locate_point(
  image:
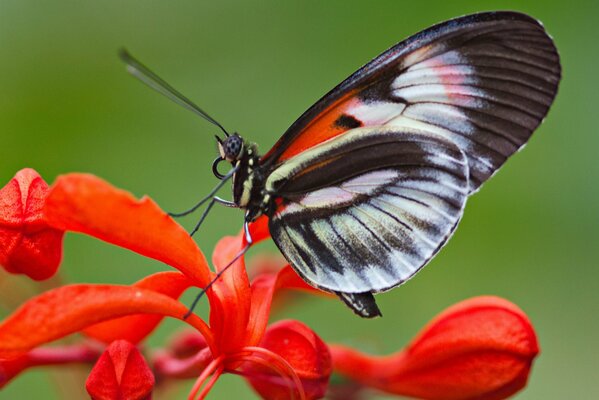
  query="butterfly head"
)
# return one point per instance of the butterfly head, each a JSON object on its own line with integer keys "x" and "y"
{"x": 231, "y": 148}
{"x": 234, "y": 150}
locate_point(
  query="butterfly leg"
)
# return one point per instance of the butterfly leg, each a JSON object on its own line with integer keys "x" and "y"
{"x": 208, "y": 197}
{"x": 214, "y": 199}
{"x": 249, "y": 240}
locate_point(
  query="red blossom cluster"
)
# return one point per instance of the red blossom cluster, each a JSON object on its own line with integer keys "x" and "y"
{"x": 481, "y": 348}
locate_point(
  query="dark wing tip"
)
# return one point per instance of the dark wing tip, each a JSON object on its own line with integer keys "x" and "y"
{"x": 363, "y": 304}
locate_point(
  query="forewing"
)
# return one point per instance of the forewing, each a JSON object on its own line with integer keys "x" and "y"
{"x": 365, "y": 211}
{"x": 483, "y": 81}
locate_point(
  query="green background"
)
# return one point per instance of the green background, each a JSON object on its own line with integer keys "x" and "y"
{"x": 66, "y": 104}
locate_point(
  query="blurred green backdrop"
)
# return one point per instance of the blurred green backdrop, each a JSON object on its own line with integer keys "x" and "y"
{"x": 66, "y": 104}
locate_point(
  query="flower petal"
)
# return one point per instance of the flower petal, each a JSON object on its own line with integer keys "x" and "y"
{"x": 28, "y": 245}
{"x": 307, "y": 354}
{"x": 120, "y": 373}
{"x": 11, "y": 368}
{"x": 85, "y": 203}
{"x": 135, "y": 328}
{"x": 259, "y": 230}
{"x": 264, "y": 288}
{"x": 230, "y": 296}
{"x": 69, "y": 309}
{"x": 481, "y": 348}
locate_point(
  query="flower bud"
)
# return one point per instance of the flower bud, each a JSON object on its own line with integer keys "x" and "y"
{"x": 120, "y": 373}
{"x": 481, "y": 348}
{"x": 28, "y": 245}
{"x": 305, "y": 352}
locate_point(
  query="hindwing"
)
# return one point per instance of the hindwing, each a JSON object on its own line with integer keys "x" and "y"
{"x": 365, "y": 211}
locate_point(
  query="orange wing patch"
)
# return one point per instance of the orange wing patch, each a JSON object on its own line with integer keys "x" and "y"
{"x": 332, "y": 122}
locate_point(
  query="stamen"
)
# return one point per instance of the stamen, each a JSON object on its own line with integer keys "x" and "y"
{"x": 211, "y": 382}
{"x": 214, "y": 365}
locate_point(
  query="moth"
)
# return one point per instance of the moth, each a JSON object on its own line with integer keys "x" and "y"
{"x": 370, "y": 182}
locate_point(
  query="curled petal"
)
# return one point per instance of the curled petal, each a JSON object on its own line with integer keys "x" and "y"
{"x": 135, "y": 328}
{"x": 28, "y": 245}
{"x": 69, "y": 309}
{"x": 481, "y": 348}
{"x": 87, "y": 204}
{"x": 303, "y": 350}
{"x": 120, "y": 373}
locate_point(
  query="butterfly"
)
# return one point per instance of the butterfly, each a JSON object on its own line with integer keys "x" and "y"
{"x": 370, "y": 182}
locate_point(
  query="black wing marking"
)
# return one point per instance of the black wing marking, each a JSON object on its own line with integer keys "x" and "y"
{"x": 393, "y": 200}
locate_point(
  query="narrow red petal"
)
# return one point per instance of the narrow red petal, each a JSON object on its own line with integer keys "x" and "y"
{"x": 264, "y": 288}
{"x": 28, "y": 245}
{"x": 69, "y": 309}
{"x": 84, "y": 203}
{"x": 482, "y": 348}
{"x": 135, "y": 328}
{"x": 305, "y": 352}
{"x": 230, "y": 296}
{"x": 120, "y": 373}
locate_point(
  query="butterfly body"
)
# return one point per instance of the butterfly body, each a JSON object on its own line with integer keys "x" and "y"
{"x": 371, "y": 181}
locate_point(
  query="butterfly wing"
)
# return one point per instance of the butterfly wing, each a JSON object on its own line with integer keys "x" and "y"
{"x": 484, "y": 81}
{"x": 365, "y": 211}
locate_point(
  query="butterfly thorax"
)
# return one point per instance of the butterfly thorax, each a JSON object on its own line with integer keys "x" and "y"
{"x": 248, "y": 182}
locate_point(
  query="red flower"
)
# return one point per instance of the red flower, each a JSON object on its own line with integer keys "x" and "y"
{"x": 239, "y": 309}
{"x": 28, "y": 245}
{"x": 479, "y": 349}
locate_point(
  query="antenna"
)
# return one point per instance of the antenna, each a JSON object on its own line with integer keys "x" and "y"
{"x": 144, "y": 74}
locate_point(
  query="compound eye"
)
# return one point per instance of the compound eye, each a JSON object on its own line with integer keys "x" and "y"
{"x": 232, "y": 147}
